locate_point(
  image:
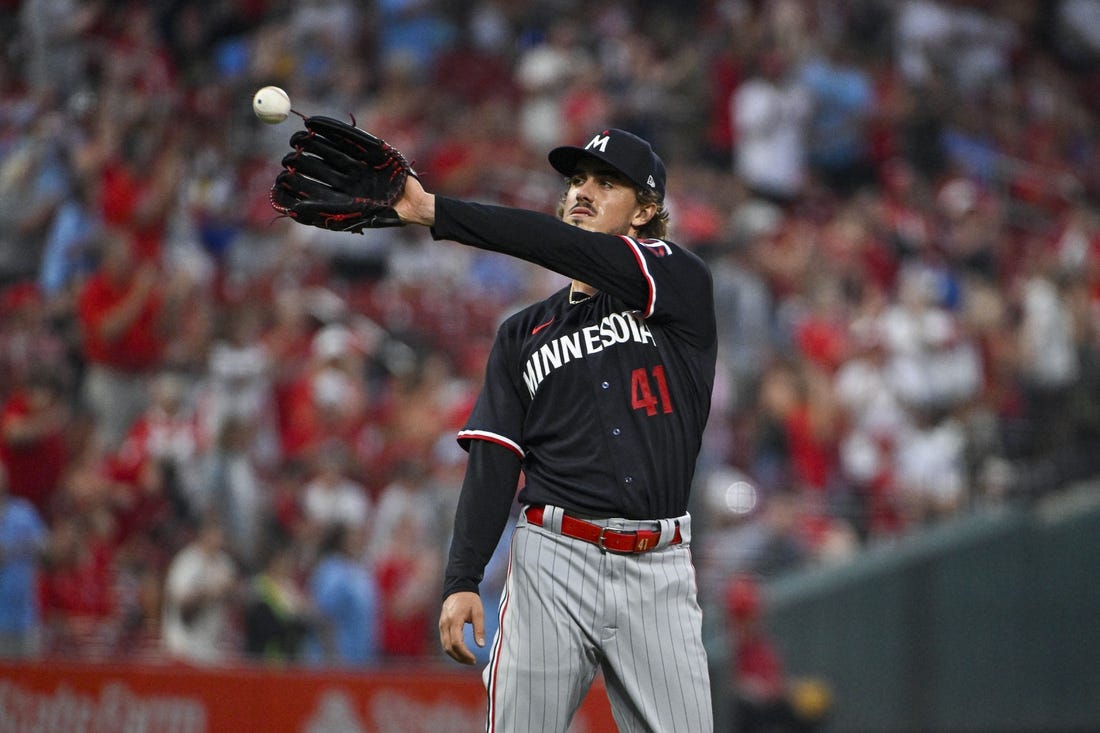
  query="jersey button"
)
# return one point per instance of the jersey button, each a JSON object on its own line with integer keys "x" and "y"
{"x": 628, "y": 479}
{"x": 605, "y": 385}
{"x": 615, "y": 431}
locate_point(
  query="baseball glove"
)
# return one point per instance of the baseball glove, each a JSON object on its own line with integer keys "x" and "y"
{"x": 341, "y": 178}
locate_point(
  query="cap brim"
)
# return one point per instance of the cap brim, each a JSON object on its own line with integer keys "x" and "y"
{"x": 564, "y": 159}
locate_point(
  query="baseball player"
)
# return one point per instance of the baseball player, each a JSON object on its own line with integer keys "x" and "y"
{"x": 598, "y": 395}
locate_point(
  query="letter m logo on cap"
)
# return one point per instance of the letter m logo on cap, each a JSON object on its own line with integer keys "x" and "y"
{"x": 599, "y": 141}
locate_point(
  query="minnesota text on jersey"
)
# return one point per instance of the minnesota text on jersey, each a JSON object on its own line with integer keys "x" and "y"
{"x": 614, "y": 328}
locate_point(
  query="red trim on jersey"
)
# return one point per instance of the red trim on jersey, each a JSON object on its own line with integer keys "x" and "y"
{"x": 492, "y": 438}
{"x": 651, "y": 301}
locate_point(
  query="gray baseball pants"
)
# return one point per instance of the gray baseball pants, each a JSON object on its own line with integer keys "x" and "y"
{"x": 570, "y": 609}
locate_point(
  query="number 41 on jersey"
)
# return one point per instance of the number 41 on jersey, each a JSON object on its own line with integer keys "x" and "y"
{"x": 642, "y": 395}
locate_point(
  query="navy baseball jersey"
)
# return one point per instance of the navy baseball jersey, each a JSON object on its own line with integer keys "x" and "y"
{"x": 605, "y": 400}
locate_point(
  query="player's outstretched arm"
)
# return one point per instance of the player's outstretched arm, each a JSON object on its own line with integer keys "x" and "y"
{"x": 459, "y": 609}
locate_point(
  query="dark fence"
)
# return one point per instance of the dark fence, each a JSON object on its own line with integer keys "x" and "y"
{"x": 989, "y": 624}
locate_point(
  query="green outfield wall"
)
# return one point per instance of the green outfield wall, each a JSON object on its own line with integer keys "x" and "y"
{"x": 987, "y": 624}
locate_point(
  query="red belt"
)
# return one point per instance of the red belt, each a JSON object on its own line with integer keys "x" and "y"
{"x": 615, "y": 540}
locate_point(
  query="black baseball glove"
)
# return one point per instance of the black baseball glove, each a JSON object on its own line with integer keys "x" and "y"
{"x": 341, "y": 178}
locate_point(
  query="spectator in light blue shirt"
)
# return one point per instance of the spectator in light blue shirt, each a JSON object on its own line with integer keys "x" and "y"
{"x": 70, "y": 239}
{"x": 346, "y": 598}
{"x": 22, "y": 538}
{"x": 843, "y": 100}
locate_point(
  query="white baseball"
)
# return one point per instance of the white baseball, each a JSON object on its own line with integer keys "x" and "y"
{"x": 271, "y": 105}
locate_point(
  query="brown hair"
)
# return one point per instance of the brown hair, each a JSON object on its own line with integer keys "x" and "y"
{"x": 657, "y": 226}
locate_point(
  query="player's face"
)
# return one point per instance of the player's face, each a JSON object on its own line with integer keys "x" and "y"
{"x": 601, "y": 199}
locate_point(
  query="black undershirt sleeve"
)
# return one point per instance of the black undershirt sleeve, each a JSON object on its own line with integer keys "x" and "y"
{"x": 492, "y": 474}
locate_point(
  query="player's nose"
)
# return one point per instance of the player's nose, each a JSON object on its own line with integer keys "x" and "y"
{"x": 583, "y": 194}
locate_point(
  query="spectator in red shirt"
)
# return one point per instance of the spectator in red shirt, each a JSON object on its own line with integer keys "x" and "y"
{"x": 33, "y": 439}
{"x": 405, "y": 550}
{"x": 126, "y": 310}
{"x": 158, "y": 464}
{"x": 77, "y": 588}
{"x": 144, "y": 160}
{"x": 763, "y": 696}
{"x": 799, "y": 420}
{"x": 328, "y": 401}
{"x": 406, "y": 577}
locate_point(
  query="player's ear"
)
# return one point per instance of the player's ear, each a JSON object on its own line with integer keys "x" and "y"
{"x": 643, "y": 213}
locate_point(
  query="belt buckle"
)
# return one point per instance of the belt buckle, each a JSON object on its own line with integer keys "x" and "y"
{"x": 601, "y": 541}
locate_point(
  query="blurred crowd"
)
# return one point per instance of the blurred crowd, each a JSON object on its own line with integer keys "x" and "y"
{"x": 224, "y": 437}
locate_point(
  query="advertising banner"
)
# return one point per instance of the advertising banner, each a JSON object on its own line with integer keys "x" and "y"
{"x": 52, "y": 697}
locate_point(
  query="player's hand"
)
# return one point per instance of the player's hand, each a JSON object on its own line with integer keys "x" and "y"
{"x": 460, "y": 609}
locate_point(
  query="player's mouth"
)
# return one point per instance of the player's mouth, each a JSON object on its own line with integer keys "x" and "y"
{"x": 580, "y": 210}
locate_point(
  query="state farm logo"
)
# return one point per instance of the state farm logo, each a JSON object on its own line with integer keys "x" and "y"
{"x": 335, "y": 714}
{"x": 394, "y": 712}
{"x": 116, "y": 709}
{"x": 390, "y": 711}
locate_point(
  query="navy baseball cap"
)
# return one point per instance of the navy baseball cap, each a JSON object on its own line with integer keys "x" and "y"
{"x": 627, "y": 153}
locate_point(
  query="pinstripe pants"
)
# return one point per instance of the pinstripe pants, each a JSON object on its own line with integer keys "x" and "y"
{"x": 570, "y": 609}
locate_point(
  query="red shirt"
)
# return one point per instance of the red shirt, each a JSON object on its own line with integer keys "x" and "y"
{"x": 34, "y": 467}
{"x": 812, "y": 457}
{"x": 138, "y": 348}
{"x": 407, "y": 635}
{"x": 305, "y": 425}
{"x": 757, "y": 666}
{"x": 81, "y": 587}
{"x": 154, "y": 435}
{"x": 122, "y": 196}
